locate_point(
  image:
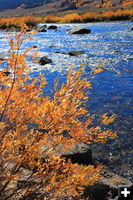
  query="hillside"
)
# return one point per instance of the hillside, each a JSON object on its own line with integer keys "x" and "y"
{"x": 8, "y": 4}
{"x": 42, "y": 7}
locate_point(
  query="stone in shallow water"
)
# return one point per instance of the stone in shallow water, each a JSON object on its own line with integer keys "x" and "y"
{"x": 80, "y": 154}
{"x": 79, "y": 30}
{"x": 6, "y": 73}
{"x": 43, "y": 28}
{"x": 75, "y": 53}
{"x": 44, "y": 60}
{"x": 52, "y": 27}
{"x": 107, "y": 186}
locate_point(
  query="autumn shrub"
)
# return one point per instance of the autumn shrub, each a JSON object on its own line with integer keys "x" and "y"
{"x": 32, "y": 127}
{"x": 18, "y": 22}
{"x": 71, "y": 18}
{"x": 108, "y": 15}
{"x": 127, "y": 2}
{"x": 118, "y": 15}
{"x": 51, "y": 18}
{"x": 90, "y": 17}
{"x": 31, "y": 21}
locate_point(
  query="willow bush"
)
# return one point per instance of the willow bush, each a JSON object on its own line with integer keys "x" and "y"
{"x": 31, "y": 132}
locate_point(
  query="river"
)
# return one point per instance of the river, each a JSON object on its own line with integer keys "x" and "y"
{"x": 109, "y": 44}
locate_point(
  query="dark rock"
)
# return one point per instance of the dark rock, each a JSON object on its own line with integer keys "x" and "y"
{"x": 52, "y": 46}
{"x": 2, "y": 59}
{"x": 100, "y": 191}
{"x": 82, "y": 156}
{"x": 75, "y": 53}
{"x": 106, "y": 187}
{"x": 34, "y": 46}
{"x": 64, "y": 53}
{"x": 132, "y": 29}
{"x": 42, "y": 30}
{"x": 79, "y": 30}
{"x": 6, "y": 73}
{"x": 52, "y": 27}
{"x": 44, "y": 60}
{"x": 56, "y": 52}
{"x": 44, "y": 26}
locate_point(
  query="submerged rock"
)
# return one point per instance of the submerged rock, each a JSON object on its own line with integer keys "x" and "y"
{"x": 80, "y": 154}
{"x": 75, "y": 53}
{"x": 79, "y": 30}
{"x": 56, "y": 52}
{"x": 42, "y": 30}
{"x": 106, "y": 187}
{"x": 52, "y": 46}
{"x": 34, "y": 46}
{"x": 44, "y": 60}
{"x": 6, "y": 73}
{"x": 52, "y": 27}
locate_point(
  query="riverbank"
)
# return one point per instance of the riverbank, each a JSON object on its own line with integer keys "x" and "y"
{"x": 109, "y": 15}
{"x": 31, "y": 22}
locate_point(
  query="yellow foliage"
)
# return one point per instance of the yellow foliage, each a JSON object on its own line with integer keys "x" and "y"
{"x": 31, "y": 132}
{"x": 69, "y": 18}
{"x": 18, "y": 22}
{"x": 51, "y": 18}
{"x": 127, "y": 2}
{"x": 91, "y": 16}
{"x": 107, "y": 120}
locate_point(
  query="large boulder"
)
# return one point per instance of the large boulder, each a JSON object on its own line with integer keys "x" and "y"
{"x": 52, "y": 27}
{"x": 44, "y": 60}
{"x": 79, "y": 30}
{"x": 75, "y": 53}
{"x": 106, "y": 187}
{"x": 80, "y": 154}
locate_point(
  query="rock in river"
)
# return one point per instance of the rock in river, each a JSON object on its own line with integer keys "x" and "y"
{"x": 75, "y": 53}
{"x": 52, "y": 27}
{"x": 82, "y": 154}
{"x": 79, "y": 30}
{"x": 44, "y": 60}
{"x": 43, "y": 28}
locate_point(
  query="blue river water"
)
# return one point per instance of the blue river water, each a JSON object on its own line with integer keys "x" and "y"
{"x": 109, "y": 44}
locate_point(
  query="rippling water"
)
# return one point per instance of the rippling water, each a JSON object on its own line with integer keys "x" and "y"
{"x": 112, "y": 45}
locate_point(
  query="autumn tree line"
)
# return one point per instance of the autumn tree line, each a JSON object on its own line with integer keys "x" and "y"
{"x": 105, "y": 11}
